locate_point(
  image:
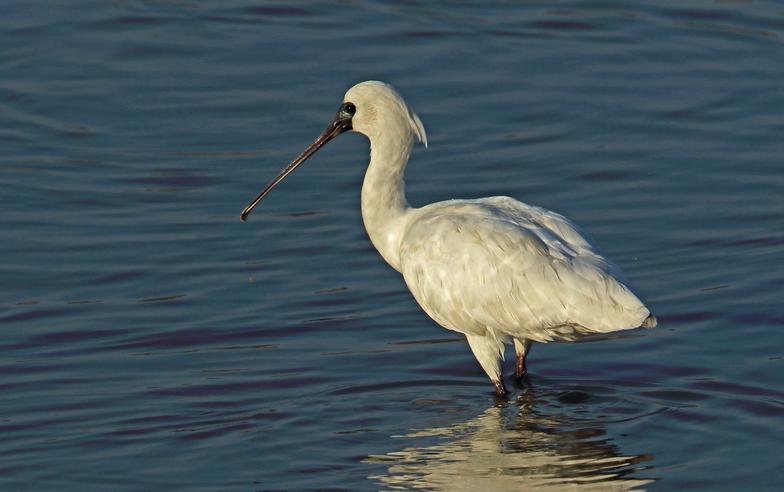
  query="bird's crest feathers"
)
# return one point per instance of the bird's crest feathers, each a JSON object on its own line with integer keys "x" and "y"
{"x": 418, "y": 128}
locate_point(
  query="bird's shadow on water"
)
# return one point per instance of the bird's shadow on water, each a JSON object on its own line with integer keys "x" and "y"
{"x": 544, "y": 437}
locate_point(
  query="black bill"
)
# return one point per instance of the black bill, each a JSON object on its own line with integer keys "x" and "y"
{"x": 340, "y": 124}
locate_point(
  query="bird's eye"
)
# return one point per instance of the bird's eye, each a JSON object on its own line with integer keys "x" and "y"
{"x": 348, "y": 108}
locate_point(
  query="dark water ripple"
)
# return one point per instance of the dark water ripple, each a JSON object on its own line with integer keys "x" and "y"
{"x": 153, "y": 341}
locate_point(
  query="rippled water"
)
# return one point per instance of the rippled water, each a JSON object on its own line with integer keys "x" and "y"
{"x": 150, "y": 340}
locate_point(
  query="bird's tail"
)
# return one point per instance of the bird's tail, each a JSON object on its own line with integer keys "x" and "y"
{"x": 650, "y": 322}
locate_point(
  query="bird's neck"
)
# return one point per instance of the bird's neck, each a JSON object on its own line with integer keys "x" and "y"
{"x": 384, "y": 205}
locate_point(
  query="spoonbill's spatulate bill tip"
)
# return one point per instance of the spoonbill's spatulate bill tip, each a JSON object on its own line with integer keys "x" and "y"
{"x": 494, "y": 269}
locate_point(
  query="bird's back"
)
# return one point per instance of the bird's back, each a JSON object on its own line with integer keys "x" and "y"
{"x": 500, "y": 267}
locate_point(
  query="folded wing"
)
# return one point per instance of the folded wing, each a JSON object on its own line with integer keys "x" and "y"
{"x": 500, "y": 266}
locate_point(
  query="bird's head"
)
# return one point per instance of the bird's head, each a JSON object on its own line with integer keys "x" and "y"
{"x": 372, "y": 108}
{"x": 379, "y": 109}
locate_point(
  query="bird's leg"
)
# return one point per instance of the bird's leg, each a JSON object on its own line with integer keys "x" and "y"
{"x": 521, "y": 350}
{"x": 500, "y": 388}
{"x": 520, "y": 369}
{"x": 487, "y": 351}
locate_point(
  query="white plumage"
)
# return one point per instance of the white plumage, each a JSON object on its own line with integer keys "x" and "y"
{"x": 494, "y": 269}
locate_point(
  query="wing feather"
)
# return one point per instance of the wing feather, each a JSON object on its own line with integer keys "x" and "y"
{"x": 499, "y": 265}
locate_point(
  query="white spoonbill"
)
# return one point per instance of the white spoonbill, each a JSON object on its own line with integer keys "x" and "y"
{"x": 494, "y": 269}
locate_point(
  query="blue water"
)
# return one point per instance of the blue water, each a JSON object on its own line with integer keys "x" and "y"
{"x": 152, "y": 341}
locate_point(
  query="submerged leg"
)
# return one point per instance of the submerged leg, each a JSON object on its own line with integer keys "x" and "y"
{"x": 521, "y": 350}
{"x": 500, "y": 388}
{"x": 488, "y": 352}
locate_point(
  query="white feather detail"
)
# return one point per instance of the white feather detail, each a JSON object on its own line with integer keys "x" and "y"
{"x": 418, "y": 128}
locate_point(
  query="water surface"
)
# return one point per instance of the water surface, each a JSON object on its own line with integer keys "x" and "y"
{"x": 152, "y": 341}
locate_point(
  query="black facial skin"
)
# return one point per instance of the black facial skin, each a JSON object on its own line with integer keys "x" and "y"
{"x": 348, "y": 109}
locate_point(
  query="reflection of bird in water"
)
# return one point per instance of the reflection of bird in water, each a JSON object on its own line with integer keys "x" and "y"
{"x": 499, "y": 452}
{"x": 494, "y": 269}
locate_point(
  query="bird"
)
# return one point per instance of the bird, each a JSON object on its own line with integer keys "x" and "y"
{"x": 494, "y": 269}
